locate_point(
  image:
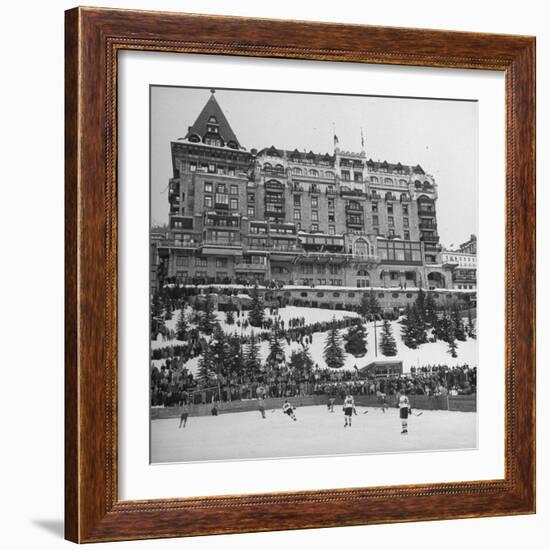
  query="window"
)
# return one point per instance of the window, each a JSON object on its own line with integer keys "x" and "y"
{"x": 331, "y": 204}
{"x": 405, "y": 222}
{"x": 391, "y": 221}
{"x": 314, "y": 202}
{"x": 375, "y": 220}
{"x": 221, "y": 188}
{"x": 357, "y": 176}
{"x": 315, "y": 227}
{"x": 221, "y": 262}
{"x": 231, "y": 170}
{"x": 297, "y": 200}
{"x": 234, "y": 204}
{"x": 251, "y": 211}
{"x": 251, "y": 197}
{"x": 222, "y": 199}
{"x": 207, "y": 187}
{"x": 405, "y": 210}
{"x": 208, "y": 201}
{"x": 345, "y": 175}
{"x": 407, "y": 235}
{"x": 375, "y": 207}
{"x": 331, "y": 217}
{"x": 315, "y": 215}
{"x": 331, "y": 230}
{"x": 234, "y": 190}
{"x": 297, "y": 215}
{"x": 211, "y": 168}
{"x": 182, "y": 261}
{"x": 390, "y": 208}
{"x": 399, "y": 251}
{"x": 201, "y": 262}
{"x": 192, "y": 167}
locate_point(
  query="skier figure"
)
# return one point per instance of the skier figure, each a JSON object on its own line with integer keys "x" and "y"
{"x": 184, "y": 416}
{"x": 330, "y": 404}
{"x": 289, "y": 409}
{"x": 348, "y": 408}
{"x": 404, "y": 410}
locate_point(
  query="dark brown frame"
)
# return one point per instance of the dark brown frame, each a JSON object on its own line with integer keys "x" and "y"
{"x": 93, "y": 38}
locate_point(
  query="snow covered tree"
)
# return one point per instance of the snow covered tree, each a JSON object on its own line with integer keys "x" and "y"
{"x": 252, "y": 356}
{"x": 205, "y": 370}
{"x": 256, "y": 315}
{"x": 408, "y": 330}
{"x": 220, "y": 349}
{"x": 458, "y": 325}
{"x": 230, "y": 317}
{"x": 451, "y": 341}
{"x": 431, "y": 310}
{"x": 369, "y": 306}
{"x": 355, "y": 342}
{"x": 470, "y": 327}
{"x": 420, "y": 303}
{"x": 208, "y": 318}
{"x": 276, "y": 352}
{"x": 182, "y": 326}
{"x": 388, "y": 347}
{"x": 236, "y": 357}
{"x": 333, "y": 353}
{"x": 301, "y": 361}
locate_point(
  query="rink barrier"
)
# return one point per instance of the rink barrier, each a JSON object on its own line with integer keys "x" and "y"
{"x": 463, "y": 403}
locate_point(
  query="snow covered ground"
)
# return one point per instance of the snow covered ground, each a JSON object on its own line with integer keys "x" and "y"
{"x": 427, "y": 354}
{"x": 317, "y": 432}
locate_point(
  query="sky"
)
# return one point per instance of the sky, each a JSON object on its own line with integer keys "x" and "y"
{"x": 440, "y": 135}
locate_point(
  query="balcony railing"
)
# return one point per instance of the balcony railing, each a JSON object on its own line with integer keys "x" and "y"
{"x": 223, "y": 242}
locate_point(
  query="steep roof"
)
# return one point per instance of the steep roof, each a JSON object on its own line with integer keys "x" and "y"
{"x": 213, "y": 109}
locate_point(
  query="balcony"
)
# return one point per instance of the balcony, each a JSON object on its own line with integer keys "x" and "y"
{"x": 434, "y": 238}
{"x": 427, "y": 225}
{"x": 351, "y": 193}
{"x": 274, "y": 199}
{"x": 354, "y": 208}
{"x": 250, "y": 267}
{"x": 425, "y": 212}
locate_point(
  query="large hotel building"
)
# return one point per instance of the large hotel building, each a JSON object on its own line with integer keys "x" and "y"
{"x": 296, "y": 217}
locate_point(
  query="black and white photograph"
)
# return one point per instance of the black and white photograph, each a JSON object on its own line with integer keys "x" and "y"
{"x": 313, "y": 268}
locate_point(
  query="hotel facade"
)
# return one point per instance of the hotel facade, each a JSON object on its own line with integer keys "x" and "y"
{"x": 294, "y": 217}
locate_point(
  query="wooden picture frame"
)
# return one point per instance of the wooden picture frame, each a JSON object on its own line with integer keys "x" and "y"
{"x": 93, "y": 511}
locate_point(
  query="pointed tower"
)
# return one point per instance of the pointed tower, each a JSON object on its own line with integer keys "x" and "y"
{"x": 212, "y": 127}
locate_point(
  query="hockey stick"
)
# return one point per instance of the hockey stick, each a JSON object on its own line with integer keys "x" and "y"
{"x": 417, "y": 414}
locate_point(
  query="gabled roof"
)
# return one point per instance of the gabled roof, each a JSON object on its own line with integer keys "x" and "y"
{"x": 213, "y": 109}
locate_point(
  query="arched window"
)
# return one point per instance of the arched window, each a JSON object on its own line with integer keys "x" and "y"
{"x": 313, "y": 173}
{"x": 329, "y": 174}
{"x": 388, "y": 181}
{"x": 213, "y": 119}
{"x": 194, "y": 138}
{"x": 279, "y": 168}
{"x": 267, "y": 166}
{"x": 374, "y": 179}
{"x": 297, "y": 171}
{"x": 362, "y": 273}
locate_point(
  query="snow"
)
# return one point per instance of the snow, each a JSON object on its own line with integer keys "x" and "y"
{"x": 426, "y": 354}
{"x": 317, "y": 432}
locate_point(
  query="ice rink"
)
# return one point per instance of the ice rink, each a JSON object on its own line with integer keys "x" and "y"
{"x": 317, "y": 432}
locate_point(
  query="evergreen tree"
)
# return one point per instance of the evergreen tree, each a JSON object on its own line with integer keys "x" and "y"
{"x": 471, "y": 328}
{"x": 458, "y": 325}
{"x": 256, "y": 315}
{"x": 451, "y": 339}
{"x": 334, "y": 353}
{"x": 408, "y": 330}
{"x": 388, "y": 346}
{"x": 419, "y": 325}
{"x": 364, "y": 306}
{"x": 420, "y": 303}
{"x": 355, "y": 342}
{"x": 252, "y": 356}
{"x": 230, "y": 317}
{"x": 236, "y": 357}
{"x": 374, "y": 305}
{"x": 208, "y": 318}
{"x": 220, "y": 349}
{"x": 431, "y": 310}
{"x": 182, "y": 326}
{"x": 276, "y": 352}
{"x": 301, "y": 361}
{"x": 205, "y": 371}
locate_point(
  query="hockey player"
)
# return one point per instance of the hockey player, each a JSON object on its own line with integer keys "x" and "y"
{"x": 404, "y": 411}
{"x": 289, "y": 409}
{"x": 261, "y": 406}
{"x": 184, "y": 416}
{"x": 330, "y": 404}
{"x": 348, "y": 408}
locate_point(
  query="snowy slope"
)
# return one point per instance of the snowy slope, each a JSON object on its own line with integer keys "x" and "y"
{"x": 427, "y": 354}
